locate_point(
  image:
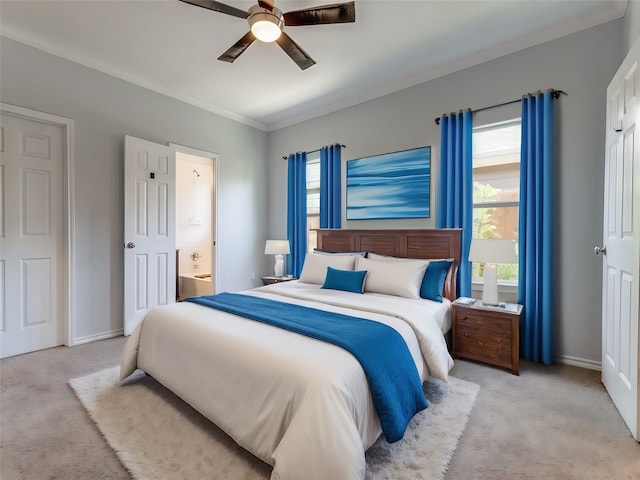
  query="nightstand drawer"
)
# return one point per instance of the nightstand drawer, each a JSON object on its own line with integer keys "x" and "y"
{"x": 486, "y": 323}
{"x": 483, "y": 346}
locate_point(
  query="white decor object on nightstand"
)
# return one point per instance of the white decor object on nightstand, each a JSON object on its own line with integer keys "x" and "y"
{"x": 491, "y": 251}
{"x": 279, "y": 248}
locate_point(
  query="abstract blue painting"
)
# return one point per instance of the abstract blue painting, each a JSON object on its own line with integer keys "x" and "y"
{"x": 392, "y": 185}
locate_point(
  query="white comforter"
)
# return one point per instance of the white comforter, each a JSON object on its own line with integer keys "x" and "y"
{"x": 299, "y": 404}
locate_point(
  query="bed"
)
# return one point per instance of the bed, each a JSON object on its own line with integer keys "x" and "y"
{"x": 302, "y": 405}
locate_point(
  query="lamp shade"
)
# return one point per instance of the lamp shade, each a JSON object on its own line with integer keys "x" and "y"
{"x": 491, "y": 251}
{"x": 488, "y": 250}
{"x": 277, "y": 247}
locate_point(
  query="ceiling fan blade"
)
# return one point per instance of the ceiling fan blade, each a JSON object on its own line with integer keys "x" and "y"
{"x": 337, "y": 13}
{"x": 297, "y": 54}
{"x": 218, "y": 7}
{"x": 268, "y": 4}
{"x": 238, "y": 48}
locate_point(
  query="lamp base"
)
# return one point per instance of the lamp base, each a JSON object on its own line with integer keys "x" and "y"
{"x": 278, "y": 268}
{"x": 490, "y": 288}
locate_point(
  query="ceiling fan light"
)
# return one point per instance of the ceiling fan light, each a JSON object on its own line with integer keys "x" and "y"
{"x": 266, "y": 25}
{"x": 266, "y": 31}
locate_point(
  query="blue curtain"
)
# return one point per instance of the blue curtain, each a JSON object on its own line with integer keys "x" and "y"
{"x": 330, "y": 187}
{"x": 454, "y": 208}
{"x": 297, "y": 211}
{"x": 535, "y": 229}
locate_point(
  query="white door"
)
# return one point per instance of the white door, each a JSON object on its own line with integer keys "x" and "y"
{"x": 149, "y": 228}
{"x": 31, "y": 235}
{"x": 621, "y": 259}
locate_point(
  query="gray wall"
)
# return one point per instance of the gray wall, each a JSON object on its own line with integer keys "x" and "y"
{"x": 104, "y": 110}
{"x": 631, "y": 24}
{"x": 581, "y": 64}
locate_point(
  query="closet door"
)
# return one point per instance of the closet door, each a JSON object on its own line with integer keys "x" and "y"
{"x": 31, "y": 235}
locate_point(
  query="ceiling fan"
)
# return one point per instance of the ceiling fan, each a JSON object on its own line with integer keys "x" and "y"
{"x": 266, "y": 22}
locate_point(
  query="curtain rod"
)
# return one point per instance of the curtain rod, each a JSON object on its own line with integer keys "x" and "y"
{"x": 554, "y": 93}
{"x": 286, "y": 157}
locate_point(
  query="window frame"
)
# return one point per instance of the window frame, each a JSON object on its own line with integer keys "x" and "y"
{"x": 477, "y": 284}
{"x": 312, "y": 159}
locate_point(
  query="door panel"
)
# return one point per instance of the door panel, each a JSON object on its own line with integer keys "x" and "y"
{"x": 150, "y": 199}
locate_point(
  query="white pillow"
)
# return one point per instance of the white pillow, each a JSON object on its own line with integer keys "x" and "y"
{"x": 314, "y": 269}
{"x": 402, "y": 279}
{"x": 388, "y": 258}
{"x": 385, "y": 258}
{"x": 318, "y": 251}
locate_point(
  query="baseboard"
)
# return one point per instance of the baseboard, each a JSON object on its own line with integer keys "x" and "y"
{"x": 579, "y": 362}
{"x": 100, "y": 336}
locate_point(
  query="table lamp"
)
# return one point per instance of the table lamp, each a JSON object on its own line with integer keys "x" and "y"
{"x": 279, "y": 248}
{"x": 491, "y": 251}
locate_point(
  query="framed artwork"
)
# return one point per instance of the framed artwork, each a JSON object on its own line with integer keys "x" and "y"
{"x": 391, "y": 185}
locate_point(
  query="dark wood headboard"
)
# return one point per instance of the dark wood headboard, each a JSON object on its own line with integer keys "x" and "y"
{"x": 428, "y": 244}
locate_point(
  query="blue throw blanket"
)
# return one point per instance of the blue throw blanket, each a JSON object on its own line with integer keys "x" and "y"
{"x": 385, "y": 358}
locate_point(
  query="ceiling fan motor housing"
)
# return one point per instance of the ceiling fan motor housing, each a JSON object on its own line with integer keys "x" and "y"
{"x": 259, "y": 14}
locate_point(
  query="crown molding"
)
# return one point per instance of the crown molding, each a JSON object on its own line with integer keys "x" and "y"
{"x": 522, "y": 43}
{"x": 539, "y": 37}
{"x": 39, "y": 44}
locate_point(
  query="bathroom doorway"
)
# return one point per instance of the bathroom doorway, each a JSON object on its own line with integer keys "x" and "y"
{"x": 195, "y": 222}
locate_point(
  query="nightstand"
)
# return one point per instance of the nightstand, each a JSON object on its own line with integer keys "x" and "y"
{"x": 488, "y": 334}
{"x": 271, "y": 279}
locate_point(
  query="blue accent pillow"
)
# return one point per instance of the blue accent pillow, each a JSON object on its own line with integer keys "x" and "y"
{"x": 433, "y": 282}
{"x": 346, "y": 280}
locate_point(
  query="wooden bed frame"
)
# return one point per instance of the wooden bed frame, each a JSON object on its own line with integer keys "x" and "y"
{"x": 427, "y": 244}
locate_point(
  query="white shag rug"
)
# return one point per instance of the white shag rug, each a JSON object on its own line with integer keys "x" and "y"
{"x": 157, "y": 436}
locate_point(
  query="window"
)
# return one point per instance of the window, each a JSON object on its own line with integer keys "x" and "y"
{"x": 496, "y": 189}
{"x": 313, "y": 199}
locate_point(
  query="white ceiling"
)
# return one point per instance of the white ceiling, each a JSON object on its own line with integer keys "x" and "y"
{"x": 171, "y": 47}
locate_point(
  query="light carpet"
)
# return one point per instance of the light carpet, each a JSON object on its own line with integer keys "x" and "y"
{"x": 157, "y": 436}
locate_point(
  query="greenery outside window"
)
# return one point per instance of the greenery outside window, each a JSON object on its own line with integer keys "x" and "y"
{"x": 496, "y": 190}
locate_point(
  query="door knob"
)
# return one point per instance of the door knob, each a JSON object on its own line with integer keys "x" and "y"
{"x": 602, "y": 250}
{"x": 131, "y": 245}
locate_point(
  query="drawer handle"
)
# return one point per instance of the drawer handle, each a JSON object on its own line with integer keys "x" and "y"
{"x": 499, "y": 340}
